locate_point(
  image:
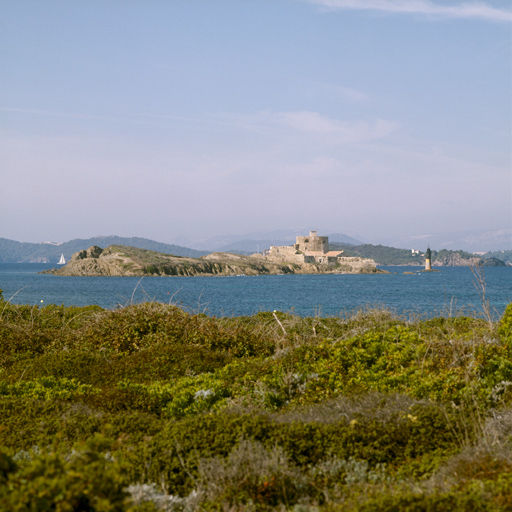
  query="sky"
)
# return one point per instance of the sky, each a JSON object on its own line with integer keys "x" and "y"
{"x": 195, "y": 118}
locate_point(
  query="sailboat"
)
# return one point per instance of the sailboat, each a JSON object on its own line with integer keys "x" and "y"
{"x": 62, "y": 260}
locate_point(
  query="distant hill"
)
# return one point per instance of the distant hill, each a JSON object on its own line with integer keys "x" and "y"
{"x": 22, "y": 252}
{"x": 471, "y": 241}
{"x": 340, "y": 238}
{"x": 384, "y": 255}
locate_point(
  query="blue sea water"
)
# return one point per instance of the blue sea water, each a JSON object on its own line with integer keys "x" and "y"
{"x": 450, "y": 291}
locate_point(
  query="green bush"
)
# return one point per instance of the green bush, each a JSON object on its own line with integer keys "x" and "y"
{"x": 505, "y": 325}
{"x": 85, "y": 480}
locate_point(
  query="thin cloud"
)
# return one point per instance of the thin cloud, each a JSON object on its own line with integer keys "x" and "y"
{"x": 297, "y": 125}
{"x": 50, "y": 113}
{"x": 466, "y": 10}
{"x": 348, "y": 93}
{"x": 314, "y": 123}
{"x": 345, "y": 94}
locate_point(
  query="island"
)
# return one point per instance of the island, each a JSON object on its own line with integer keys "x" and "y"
{"x": 119, "y": 260}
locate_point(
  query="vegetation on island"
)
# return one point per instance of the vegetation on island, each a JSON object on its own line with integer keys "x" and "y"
{"x": 153, "y": 408}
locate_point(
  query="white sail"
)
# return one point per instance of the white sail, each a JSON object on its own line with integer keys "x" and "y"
{"x": 62, "y": 260}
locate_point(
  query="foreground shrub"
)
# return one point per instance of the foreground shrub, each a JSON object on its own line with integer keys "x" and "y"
{"x": 252, "y": 474}
{"x": 85, "y": 480}
{"x": 172, "y": 456}
{"x": 505, "y": 325}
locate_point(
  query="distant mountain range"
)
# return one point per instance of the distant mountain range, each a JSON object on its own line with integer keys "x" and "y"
{"x": 257, "y": 241}
{"x": 47, "y": 252}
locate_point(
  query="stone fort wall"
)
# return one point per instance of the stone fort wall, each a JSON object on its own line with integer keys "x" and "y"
{"x": 289, "y": 254}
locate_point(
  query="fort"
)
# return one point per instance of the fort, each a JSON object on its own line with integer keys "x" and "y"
{"x": 307, "y": 249}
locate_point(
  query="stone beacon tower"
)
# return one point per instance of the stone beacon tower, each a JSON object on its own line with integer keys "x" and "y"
{"x": 428, "y": 259}
{"x": 313, "y": 242}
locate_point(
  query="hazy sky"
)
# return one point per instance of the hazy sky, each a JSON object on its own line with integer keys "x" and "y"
{"x": 167, "y": 118}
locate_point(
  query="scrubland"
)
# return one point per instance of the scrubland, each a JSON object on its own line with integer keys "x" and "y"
{"x": 150, "y": 407}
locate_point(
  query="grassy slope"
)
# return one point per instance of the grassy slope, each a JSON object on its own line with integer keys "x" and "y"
{"x": 119, "y": 409}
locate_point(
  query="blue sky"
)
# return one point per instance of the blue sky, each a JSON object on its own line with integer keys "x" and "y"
{"x": 197, "y": 118}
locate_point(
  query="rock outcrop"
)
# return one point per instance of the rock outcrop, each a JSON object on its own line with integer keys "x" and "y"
{"x": 493, "y": 262}
{"x": 356, "y": 265}
{"x": 131, "y": 261}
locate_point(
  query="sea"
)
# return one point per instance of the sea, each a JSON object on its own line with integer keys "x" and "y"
{"x": 451, "y": 291}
